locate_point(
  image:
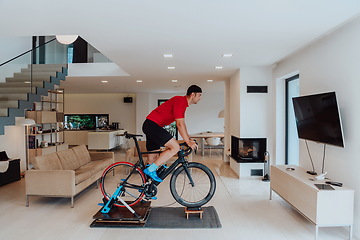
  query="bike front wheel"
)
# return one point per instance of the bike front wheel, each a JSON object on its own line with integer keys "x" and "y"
{"x": 128, "y": 177}
{"x": 196, "y": 194}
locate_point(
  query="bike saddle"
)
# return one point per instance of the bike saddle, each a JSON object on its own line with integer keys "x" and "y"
{"x": 129, "y": 135}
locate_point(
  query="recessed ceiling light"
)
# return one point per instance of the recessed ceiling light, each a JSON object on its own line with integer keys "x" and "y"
{"x": 167, "y": 55}
{"x": 209, "y": 80}
{"x": 171, "y": 67}
{"x": 227, "y": 55}
{"x": 27, "y": 82}
{"x": 139, "y": 81}
{"x": 104, "y": 81}
{"x": 174, "y": 80}
{"x": 218, "y": 67}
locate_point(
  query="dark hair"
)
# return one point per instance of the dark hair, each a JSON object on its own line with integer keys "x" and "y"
{"x": 193, "y": 89}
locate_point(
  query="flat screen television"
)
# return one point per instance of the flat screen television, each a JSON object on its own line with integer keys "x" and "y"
{"x": 86, "y": 121}
{"x": 318, "y": 119}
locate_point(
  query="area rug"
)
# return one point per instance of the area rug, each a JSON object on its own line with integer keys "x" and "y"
{"x": 168, "y": 217}
{"x": 174, "y": 217}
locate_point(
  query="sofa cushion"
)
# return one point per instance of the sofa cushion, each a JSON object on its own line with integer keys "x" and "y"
{"x": 81, "y": 174}
{"x": 82, "y": 154}
{"x": 68, "y": 159}
{"x": 90, "y": 169}
{"x": 47, "y": 162}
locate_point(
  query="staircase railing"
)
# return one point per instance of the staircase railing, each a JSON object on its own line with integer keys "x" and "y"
{"x": 23, "y": 81}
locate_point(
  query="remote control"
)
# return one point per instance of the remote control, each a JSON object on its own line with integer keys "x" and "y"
{"x": 334, "y": 183}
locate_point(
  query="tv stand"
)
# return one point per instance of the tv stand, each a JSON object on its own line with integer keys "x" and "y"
{"x": 324, "y": 208}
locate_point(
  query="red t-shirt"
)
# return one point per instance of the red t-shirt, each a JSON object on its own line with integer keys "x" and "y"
{"x": 172, "y": 109}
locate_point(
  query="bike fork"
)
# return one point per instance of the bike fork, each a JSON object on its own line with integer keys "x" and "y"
{"x": 189, "y": 176}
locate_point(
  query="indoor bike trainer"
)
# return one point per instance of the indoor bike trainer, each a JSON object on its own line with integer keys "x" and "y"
{"x": 127, "y": 191}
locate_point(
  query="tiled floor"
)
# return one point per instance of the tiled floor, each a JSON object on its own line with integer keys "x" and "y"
{"x": 243, "y": 206}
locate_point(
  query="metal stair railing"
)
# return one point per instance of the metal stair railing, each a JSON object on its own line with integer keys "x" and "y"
{"x": 30, "y": 80}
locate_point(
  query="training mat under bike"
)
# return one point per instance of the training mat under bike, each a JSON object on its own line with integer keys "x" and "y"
{"x": 172, "y": 217}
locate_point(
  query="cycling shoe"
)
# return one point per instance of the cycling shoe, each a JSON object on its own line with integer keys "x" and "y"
{"x": 153, "y": 175}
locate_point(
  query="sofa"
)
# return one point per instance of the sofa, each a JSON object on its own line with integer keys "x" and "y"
{"x": 9, "y": 169}
{"x": 65, "y": 173}
{"x": 132, "y": 155}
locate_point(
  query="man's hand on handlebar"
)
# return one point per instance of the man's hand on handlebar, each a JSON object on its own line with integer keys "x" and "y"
{"x": 192, "y": 144}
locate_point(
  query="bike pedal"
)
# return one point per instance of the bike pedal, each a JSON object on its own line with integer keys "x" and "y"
{"x": 150, "y": 198}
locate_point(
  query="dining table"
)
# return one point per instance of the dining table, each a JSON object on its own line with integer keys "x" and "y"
{"x": 203, "y": 135}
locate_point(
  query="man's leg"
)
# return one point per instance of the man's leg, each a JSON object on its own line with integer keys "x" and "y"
{"x": 173, "y": 147}
{"x": 151, "y": 158}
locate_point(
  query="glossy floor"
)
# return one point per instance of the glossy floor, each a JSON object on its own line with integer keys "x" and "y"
{"x": 243, "y": 206}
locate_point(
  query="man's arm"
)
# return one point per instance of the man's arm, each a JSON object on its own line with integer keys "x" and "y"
{"x": 180, "y": 124}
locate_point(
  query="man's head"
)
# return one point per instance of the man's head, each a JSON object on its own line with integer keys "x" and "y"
{"x": 194, "y": 94}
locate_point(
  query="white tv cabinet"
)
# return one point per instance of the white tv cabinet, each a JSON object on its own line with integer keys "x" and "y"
{"x": 324, "y": 208}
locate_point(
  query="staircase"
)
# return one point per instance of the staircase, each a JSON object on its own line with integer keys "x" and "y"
{"x": 17, "y": 93}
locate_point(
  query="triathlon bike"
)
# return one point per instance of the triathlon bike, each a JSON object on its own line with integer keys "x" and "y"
{"x": 124, "y": 184}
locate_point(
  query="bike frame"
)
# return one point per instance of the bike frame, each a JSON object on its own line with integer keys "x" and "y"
{"x": 180, "y": 161}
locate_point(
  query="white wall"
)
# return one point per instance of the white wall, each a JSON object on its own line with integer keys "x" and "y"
{"x": 332, "y": 64}
{"x": 109, "y": 103}
{"x": 13, "y": 142}
{"x": 254, "y": 107}
{"x": 12, "y": 47}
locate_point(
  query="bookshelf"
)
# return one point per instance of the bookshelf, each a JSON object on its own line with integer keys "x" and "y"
{"x": 47, "y": 136}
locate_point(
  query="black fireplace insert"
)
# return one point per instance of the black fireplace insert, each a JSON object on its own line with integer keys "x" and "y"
{"x": 248, "y": 149}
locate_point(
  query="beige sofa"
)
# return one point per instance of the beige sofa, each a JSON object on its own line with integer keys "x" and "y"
{"x": 132, "y": 155}
{"x": 65, "y": 173}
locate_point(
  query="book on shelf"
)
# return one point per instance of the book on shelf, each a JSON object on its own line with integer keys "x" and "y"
{"x": 32, "y": 142}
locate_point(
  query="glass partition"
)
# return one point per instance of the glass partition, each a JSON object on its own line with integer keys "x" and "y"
{"x": 20, "y": 71}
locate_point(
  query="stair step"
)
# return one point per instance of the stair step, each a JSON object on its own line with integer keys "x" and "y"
{"x": 18, "y": 90}
{"x": 46, "y": 66}
{"x": 9, "y": 104}
{"x": 11, "y": 96}
{"x": 20, "y": 84}
{"x": 35, "y": 74}
{"x": 26, "y": 79}
{"x": 43, "y": 69}
{"x": 3, "y": 112}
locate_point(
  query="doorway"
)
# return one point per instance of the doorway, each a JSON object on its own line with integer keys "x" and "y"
{"x": 292, "y": 89}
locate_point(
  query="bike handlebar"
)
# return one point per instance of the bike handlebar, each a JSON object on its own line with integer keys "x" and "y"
{"x": 184, "y": 151}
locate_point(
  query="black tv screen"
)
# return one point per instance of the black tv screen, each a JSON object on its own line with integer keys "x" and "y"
{"x": 318, "y": 119}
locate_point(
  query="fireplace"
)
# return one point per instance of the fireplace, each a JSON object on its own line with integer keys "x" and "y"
{"x": 248, "y": 149}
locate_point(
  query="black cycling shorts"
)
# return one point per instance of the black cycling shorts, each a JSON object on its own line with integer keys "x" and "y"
{"x": 156, "y": 136}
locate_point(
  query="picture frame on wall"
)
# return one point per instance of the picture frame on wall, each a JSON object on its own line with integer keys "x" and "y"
{"x": 171, "y": 128}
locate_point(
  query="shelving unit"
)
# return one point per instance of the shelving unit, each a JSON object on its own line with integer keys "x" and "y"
{"x": 47, "y": 136}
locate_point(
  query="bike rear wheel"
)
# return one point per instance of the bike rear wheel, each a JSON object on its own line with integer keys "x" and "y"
{"x": 200, "y": 193}
{"x": 115, "y": 175}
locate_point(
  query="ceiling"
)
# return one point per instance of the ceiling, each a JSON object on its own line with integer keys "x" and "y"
{"x": 135, "y": 34}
